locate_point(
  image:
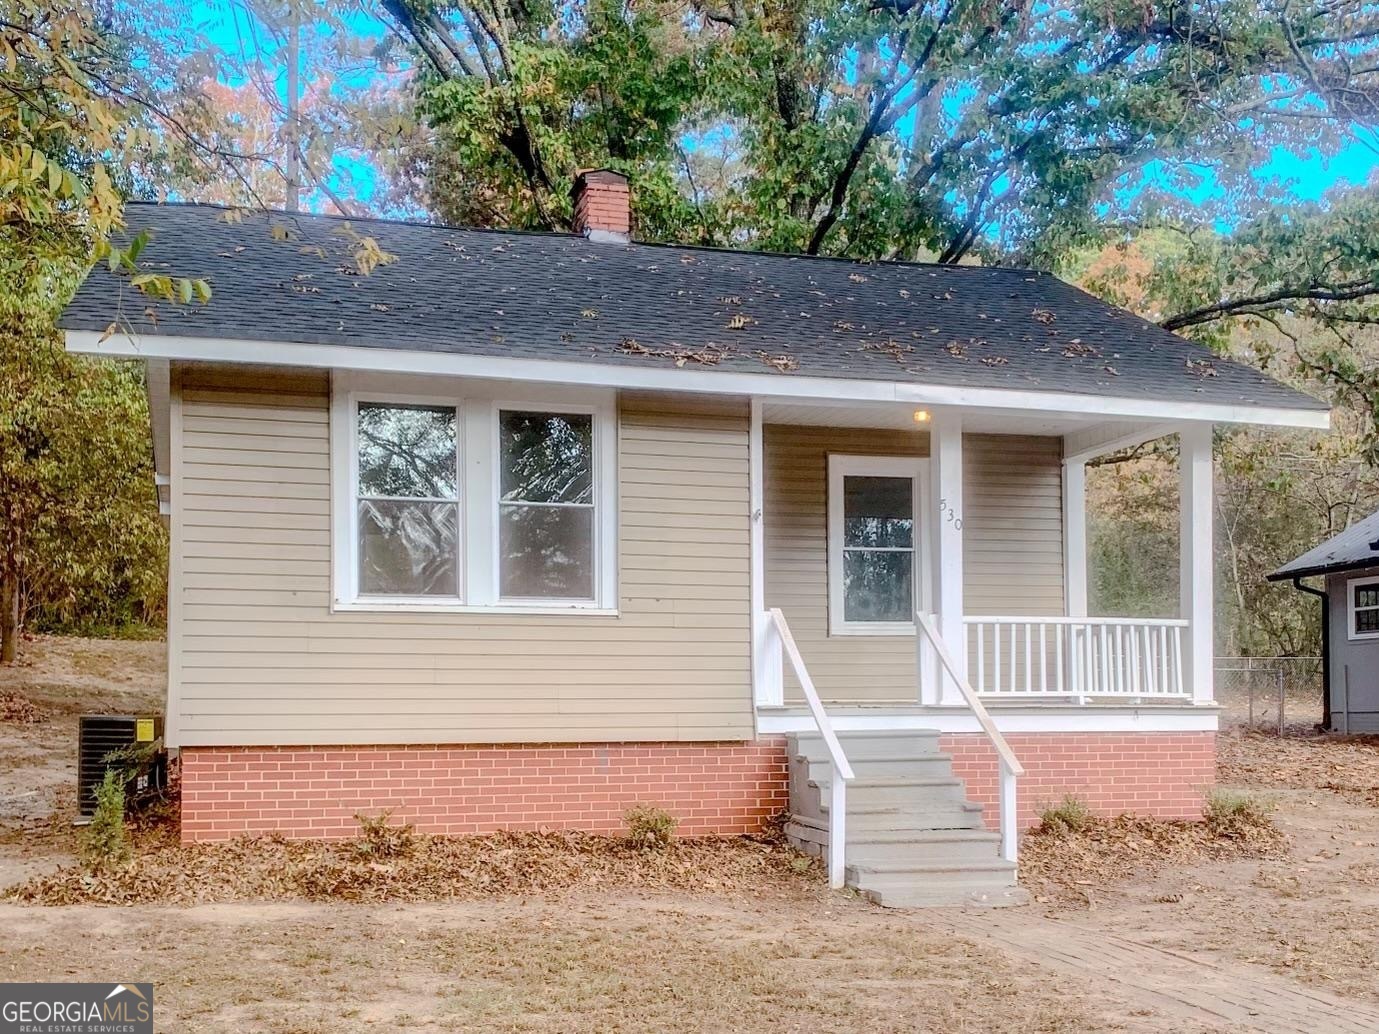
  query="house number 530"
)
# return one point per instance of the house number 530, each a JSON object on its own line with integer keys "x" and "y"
{"x": 949, "y": 514}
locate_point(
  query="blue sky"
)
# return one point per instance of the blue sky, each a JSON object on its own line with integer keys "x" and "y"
{"x": 1303, "y": 176}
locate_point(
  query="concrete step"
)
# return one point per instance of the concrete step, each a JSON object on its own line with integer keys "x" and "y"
{"x": 901, "y": 791}
{"x": 911, "y": 743}
{"x": 883, "y": 818}
{"x": 933, "y": 846}
{"x": 955, "y": 895}
{"x": 918, "y": 884}
{"x": 925, "y": 766}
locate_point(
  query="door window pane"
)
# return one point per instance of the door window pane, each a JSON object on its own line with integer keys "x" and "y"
{"x": 878, "y": 585}
{"x": 878, "y": 548}
{"x": 546, "y": 510}
{"x": 878, "y": 511}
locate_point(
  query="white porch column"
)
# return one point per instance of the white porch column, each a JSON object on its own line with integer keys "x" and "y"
{"x": 945, "y": 548}
{"x": 1075, "y": 537}
{"x": 767, "y": 687}
{"x": 1195, "y": 554}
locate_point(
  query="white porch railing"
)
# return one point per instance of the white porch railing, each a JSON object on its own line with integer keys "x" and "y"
{"x": 841, "y": 771}
{"x": 1027, "y": 657}
{"x": 1010, "y": 767}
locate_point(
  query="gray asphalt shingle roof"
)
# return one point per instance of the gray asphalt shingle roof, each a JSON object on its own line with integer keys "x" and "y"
{"x": 559, "y": 296}
{"x": 1351, "y": 549}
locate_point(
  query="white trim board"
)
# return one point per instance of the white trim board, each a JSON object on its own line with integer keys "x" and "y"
{"x": 1120, "y": 719}
{"x": 765, "y": 385}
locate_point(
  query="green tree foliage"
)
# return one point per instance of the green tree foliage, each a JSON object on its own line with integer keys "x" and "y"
{"x": 874, "y": 127}
{"x": 78, "y": 524}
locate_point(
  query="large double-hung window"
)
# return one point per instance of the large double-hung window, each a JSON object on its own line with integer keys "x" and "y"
{"x": 469, "y": 502}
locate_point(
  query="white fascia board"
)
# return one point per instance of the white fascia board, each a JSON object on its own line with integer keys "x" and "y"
{"x": 761, "y": 385}
{"x": 1089, "y": 719}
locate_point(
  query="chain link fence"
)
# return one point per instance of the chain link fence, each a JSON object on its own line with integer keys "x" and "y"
{"x": 1277, "y": 693}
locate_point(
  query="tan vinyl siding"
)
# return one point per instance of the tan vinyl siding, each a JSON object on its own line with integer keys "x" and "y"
{"x": 263, "y": 660}
{"x": 1012, "y": 543}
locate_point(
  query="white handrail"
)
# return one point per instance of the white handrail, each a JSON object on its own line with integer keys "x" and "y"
{"x": 1011, "y": 769}
{"x": 841, "y": 768}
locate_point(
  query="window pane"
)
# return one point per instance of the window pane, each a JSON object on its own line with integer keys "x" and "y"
{"x": 1367, "y": 620}
{"x": 877, "y": 586}
{"x": 546, "y": 552}
{"x": 408, "y": 549}
{"x": 1367, "y": 595}
{"x": 547, "y": 457}
{"x": 407, "y": 450}
{"x": 878, "y": 511}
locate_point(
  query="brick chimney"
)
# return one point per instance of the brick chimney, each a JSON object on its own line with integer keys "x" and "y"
{"x": 603, "y": 206}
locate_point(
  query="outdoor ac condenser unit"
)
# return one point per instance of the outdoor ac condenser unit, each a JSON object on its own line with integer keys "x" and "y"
{"x": 102, "y": 734}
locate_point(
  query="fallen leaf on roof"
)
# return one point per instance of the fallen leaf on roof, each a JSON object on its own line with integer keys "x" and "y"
{"x": 1075, "y": 349}
{"x": 380, "y": 307}
{"x": 995, "y": 360}
{"x": 956, "y": 349}
{"x": 904, "y": 293}
{"x": 1043, "y": 315}
{"x": 730, "y": 299}
{"x": 781, "y": 361}
{"x": 739, "y": 321}
{"x": 842, "y": 325}
{"x": 1112, "y": 370}
{"x": 857, "y": 278}
{"x": 709, "y": 355}
{"x": 891, "y": 347}
{"x": 589, "y": 314}
{"x": 1201, "y": 367}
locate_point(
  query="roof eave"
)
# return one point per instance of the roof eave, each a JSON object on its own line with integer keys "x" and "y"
{"x": 665, "y": 378}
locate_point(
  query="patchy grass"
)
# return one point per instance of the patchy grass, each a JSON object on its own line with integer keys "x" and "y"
{"x": 599, "y": 961}
{"x": 1071, "y": 816}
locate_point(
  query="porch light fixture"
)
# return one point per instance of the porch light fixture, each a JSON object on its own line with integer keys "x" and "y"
{"x": 921, "y": 416}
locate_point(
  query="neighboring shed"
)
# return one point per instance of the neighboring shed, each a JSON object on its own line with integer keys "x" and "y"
{"x": 1349, "y": 565}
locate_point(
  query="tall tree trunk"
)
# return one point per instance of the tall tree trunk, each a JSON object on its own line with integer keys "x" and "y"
{"x": 9, "y": 619}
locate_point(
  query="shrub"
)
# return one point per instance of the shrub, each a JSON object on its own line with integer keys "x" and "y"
{"x": 650, "y": 827}
{"x": 105, "y": 842}
{"x": 1230, "y": 813}
{"x": 379, "y": 838}
{"x": 1071, "y": 816}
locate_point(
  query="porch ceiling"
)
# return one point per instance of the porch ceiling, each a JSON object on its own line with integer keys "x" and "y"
{"x": 899, "y": 417}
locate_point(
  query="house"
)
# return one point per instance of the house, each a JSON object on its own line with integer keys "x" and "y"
{"x": 1348, "y": 565}
{"x": 520, "y": 529}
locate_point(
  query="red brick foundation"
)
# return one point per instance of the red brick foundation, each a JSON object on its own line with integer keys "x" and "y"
{"x": 727, "y": 788}
{"x": 1148, "y": 773}
{"x": 723, "y": 788}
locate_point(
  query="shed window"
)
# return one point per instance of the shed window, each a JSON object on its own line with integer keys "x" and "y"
{"x": 1364, "y": 607}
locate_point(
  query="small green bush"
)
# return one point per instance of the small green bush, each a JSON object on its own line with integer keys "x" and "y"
{"x": 650, "y": 827}
{"x": 1230, "y": 813}
{"x": 105, "y": 842}
{"x": 380, "y": 838}
{"x": 1070, "y": 816}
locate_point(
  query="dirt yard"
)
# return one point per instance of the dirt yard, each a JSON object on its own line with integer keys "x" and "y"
{"x": 1207, "y": 944}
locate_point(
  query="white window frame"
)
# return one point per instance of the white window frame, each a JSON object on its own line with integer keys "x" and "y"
{"x": 478, "y": 404}
{"x": 916, "y": 468}
{"x": 1350, "y": 586}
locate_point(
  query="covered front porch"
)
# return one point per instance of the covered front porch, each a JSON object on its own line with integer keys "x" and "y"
{"x": 919, "y": 597}
{"x": 867, "y": 515}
